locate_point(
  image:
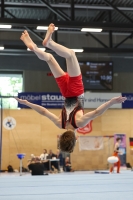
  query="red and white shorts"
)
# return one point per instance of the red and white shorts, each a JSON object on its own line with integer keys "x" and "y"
{"x": 70, "y": 86}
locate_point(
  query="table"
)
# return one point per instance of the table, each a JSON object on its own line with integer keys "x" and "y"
{"x": 57, "y": 160}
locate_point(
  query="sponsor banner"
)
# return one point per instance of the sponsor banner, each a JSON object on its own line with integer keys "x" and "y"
{"x": 90, "y": 143}
{"x": 122, "y": 148}
{"x": 93, "y": 100}
{"x": 56, "y": 100}
{"x": 47, "y": 100}
{"x": 129, "y": 102}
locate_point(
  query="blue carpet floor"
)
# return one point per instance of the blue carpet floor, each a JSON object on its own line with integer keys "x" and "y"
{"x": 67, "y": 186}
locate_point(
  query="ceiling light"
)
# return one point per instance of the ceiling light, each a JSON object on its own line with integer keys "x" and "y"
{"x": 44, "y": 28}
{"x": 1, "y": 48}
{"x": 128, "y": 57}
{"x": 43, "y": 49}
{"x": 91, "y": 30}
{"x": 78, "y": 50}
{"x": 5, "y": 26}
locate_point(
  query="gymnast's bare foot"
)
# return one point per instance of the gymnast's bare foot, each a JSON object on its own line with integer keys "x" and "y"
{"x": 27, "y": 40}
{"x": 49, "y": 33}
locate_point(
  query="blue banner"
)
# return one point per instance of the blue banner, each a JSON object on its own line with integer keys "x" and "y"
{"x": 47, "y": 100}
{"x": 129, "y": 102}
{"x": 56, "y": 100}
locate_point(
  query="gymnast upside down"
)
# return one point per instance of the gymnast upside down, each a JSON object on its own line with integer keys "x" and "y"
{"x": 71, "y": 87}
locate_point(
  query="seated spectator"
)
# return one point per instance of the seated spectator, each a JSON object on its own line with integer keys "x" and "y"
{"x": 51, "y": 154}
{"x": 36, "y": 166}
{"x": 43, "y": 157}
{"x": 59, "y": 156}
{"x": 68, "y": 167}
{"x": 54, "y": 164}
{"x": 32, "y": 156}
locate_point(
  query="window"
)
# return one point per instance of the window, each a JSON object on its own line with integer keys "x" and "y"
{"x": 10, "y": 85}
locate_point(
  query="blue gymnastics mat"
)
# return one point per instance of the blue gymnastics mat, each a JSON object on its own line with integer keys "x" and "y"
{"x": 64, "y": 186}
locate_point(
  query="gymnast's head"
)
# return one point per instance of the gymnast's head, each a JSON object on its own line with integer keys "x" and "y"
{"x": 67, "y": 141}
{"x": 119, "y": 140}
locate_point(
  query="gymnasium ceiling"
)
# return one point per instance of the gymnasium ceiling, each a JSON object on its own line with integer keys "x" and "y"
{"x": 113, "y": 16}
{"x": 80, "y": 12}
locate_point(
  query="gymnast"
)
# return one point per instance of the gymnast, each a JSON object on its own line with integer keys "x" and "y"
{"x": 116, "y": 153}
{"x": 71, "y": 87}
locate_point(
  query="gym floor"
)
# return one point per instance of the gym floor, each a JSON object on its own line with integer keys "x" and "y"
{"x": 64, "y": 186}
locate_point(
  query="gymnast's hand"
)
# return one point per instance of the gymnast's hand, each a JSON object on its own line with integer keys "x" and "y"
{"x": 118, "y": 100}
{"x": 21, "y": 101}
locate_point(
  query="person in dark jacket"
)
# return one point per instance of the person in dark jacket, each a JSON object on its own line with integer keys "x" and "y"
{"x": 36, "y": 166}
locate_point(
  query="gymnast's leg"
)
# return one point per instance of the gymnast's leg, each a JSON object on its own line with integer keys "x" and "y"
{"x": 118, "y": 165}
{"x": 112, "y": 168}
{"x": 73, "y": 68}
{"x": 53, "y": 65}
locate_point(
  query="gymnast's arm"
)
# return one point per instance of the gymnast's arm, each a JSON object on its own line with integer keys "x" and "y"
{"x": 41, "y": 110}
{"x": 85, "y": 119}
